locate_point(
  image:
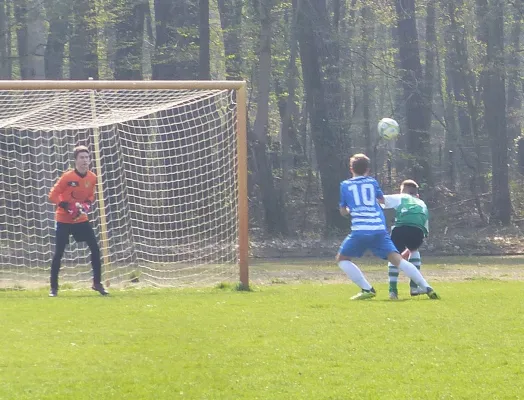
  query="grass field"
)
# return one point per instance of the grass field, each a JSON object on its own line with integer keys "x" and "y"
{"x": 295, "y": 337}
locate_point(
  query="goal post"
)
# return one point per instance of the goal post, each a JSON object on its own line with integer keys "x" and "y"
{"x": 104, "y": 247}
{"x": 171, "y": 162}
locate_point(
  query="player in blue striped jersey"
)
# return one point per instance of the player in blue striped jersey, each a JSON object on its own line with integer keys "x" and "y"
{"x": 360, "y": 197}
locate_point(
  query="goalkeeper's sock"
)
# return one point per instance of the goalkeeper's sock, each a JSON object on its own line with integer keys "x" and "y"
{"x": 393, "y": 278}
{"x": 355, "y": 274}
{"x": 417, "y": 262}
{"x": 413, "y": 273}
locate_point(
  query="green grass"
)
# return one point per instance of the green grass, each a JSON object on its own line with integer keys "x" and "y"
{"x": 292, "y": 341}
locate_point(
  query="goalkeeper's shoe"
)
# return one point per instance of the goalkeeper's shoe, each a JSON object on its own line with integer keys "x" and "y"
{"x": 100, "y": 289}
{"x": 432, "y": 294}
{"x": 365, "y": 294}
{"x": 53, "y": 293}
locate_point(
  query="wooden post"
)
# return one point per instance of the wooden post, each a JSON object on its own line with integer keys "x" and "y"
{"x": 243, "y": 223}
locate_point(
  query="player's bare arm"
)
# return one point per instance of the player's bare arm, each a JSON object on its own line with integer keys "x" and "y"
{"x": 344, "y": 211}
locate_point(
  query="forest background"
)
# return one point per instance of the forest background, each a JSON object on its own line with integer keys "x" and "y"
{"x": 320, "y": 75}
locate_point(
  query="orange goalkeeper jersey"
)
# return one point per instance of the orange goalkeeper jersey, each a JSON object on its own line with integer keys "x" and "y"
{"x": 73, "y": 187}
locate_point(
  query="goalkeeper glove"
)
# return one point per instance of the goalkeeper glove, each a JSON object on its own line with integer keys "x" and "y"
{"x": 78, "y": 209}
{"x": 75, "y": 209}
{"x": 85, "y": 206}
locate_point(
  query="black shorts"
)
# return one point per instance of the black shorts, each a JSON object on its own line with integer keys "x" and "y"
{"x": 81, "y": 232}
{"x": 407, "y": 237}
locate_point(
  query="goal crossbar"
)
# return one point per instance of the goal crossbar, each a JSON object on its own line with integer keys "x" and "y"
{"x": 117, "y": 85}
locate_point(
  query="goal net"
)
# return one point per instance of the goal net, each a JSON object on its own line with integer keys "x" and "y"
{"x": 167, "y": 159}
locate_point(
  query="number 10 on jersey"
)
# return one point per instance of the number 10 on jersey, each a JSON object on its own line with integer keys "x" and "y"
{"x": 363, "y": 194}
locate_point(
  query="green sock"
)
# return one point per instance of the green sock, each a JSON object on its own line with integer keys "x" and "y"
{"x": 393, "y": 278}
{"x": 417, "y": 262}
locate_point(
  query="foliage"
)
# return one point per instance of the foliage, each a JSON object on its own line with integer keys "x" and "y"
{"x": 354, "y": 39}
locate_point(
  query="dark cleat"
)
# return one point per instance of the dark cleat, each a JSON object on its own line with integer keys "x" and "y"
{"x": 432, "y": 294}
{"x": 100, "y": 289}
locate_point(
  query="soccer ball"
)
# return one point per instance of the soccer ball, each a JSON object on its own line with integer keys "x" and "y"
{"x": 388, "y": 128}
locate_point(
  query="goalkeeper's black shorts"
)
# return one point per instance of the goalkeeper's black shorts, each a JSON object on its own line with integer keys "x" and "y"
{"x": 81, "y": 232}
{"x": 407, "y": 237}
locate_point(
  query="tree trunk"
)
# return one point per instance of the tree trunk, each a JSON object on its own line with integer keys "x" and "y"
{"x": 429, "y": 73}
{"x": 467, "y": 108}
{"x": 288, "y": 133}
{"x": 5, "y": 45}
{"x": 29, "y": 16}
{"x": 9, "y": 9}
{"x": 329, "y": 52}
{"x": 56, "y": 41}
{"x": 230, "y": 20}
{"x": 514, "y": 86}
{"x": 273, "y": 212}
{"x": 366, "y": 37}
{"x": 204, "y": 70}
{"x": 448, "y": 105}
{"x": 287, "y": 140}
{"x": 520, "y": 154}
{"x": 328, "y": 147}
{"x": 418, "y": 139}
{"x": 478, "y": 87}
{"x": 163, "y": 63}
{"x": 130, "y": 39}
{"x": 494, "y": 97}
{"x": 83, "y": 53}
{"x": 349, "y": 103}
{"x": 175, "y": 57}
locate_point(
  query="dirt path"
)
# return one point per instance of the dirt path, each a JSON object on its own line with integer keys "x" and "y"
{"x": 441, "y": 269}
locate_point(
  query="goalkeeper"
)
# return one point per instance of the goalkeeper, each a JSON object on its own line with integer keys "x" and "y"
{"x": 410, "y": 229}
{"x": 73, "y": 195}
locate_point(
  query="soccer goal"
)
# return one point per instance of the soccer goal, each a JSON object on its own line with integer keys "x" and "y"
{"x": 170, "y": 157}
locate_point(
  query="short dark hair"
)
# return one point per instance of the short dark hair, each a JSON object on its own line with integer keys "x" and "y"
{"x": 409, "y": 186}
{"x": 359, "y": 163}
{"x": 79, "y": 149}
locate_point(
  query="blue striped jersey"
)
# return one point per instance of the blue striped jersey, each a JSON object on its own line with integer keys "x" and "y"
{"x": 360, "y": 196}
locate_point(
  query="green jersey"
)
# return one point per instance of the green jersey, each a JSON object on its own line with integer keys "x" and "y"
{"x": 410, "y": 211}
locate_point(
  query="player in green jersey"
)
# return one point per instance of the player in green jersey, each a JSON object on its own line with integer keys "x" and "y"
{"x": 410, "y": 229}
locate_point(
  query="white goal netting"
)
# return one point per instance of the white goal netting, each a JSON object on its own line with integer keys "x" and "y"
{"x": 168, "y": 165}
